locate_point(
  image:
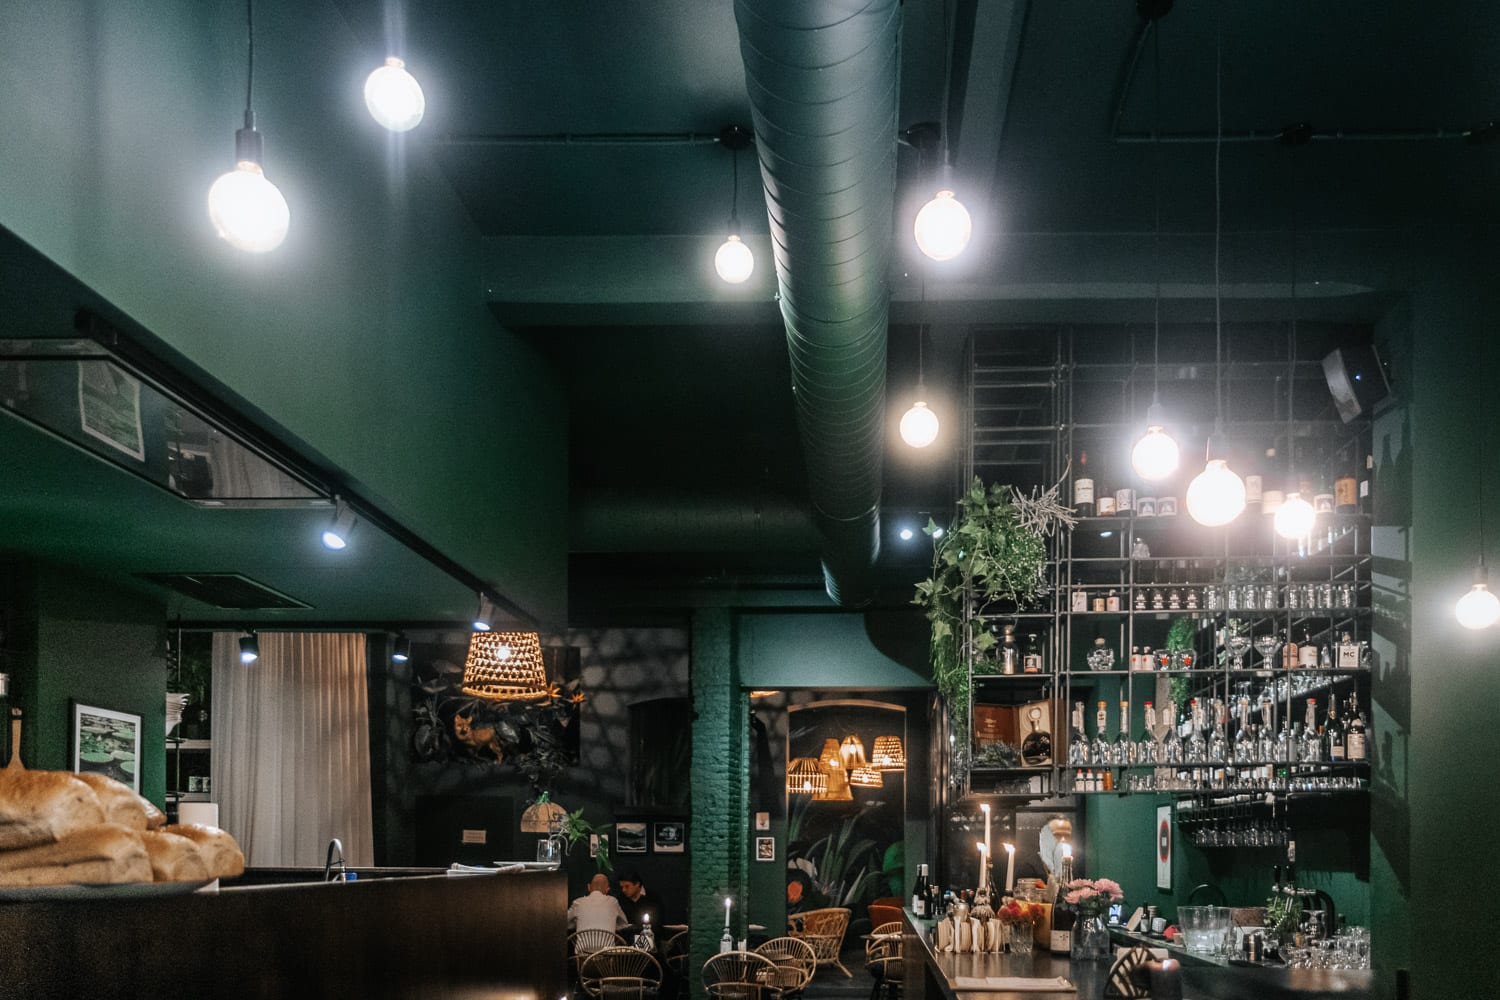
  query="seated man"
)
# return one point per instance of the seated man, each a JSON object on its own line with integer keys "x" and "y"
{"x": 598, "y": 910}
{"x": 634, "y": 901}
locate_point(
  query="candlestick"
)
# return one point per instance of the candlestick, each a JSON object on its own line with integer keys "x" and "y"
{"x": 1010, "y": 868}
{"x": 985, "y": 808}
{"x": 984, "y": 866}
{"x": 726, "y": 912}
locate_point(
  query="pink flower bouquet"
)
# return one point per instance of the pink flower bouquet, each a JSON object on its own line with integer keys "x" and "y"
{"x": 1093, "y": 896}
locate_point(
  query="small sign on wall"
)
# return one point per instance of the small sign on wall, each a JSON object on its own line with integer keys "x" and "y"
{"x": 1164, "y": 848}
{"x": 475, "y": 837}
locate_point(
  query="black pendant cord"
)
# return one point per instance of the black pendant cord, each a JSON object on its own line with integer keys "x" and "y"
{"x": 734, "y": 194}
{"x": 1156, "y": 144}
{"x": 1218, "y": 221}
{"x": 947, "y": 72}
{"x": 250, "y": 70}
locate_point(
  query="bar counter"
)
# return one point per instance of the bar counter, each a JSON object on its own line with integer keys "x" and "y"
{"x": 933, "y": 976}
{"x": 420, "y": 936}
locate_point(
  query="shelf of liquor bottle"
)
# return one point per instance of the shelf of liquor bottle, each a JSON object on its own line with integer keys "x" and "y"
{"x": 1107, "y": 521}
{"x": 1304, "y": 769}
{"x": 997, "y": 772}
{"x": 1249, "y": 673}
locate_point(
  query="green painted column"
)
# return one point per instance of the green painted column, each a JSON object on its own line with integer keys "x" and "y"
{"x": 721, "y": 779}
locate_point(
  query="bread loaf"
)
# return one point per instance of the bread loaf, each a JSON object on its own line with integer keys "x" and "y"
{"x": 41, "y": 807}
{"x": 121, "y": 805}
{"x": 100, "y": 854}
{"x": 174, "y": 858}
{"x": 219, "y": 849}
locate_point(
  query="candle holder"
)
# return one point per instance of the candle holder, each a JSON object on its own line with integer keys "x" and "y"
{"x": 982, "y": 911}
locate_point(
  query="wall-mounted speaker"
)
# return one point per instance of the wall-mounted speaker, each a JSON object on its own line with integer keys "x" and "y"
{"x": 1357, "y": 380}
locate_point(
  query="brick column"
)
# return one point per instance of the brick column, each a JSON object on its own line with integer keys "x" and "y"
{"x": 721, "y": 779}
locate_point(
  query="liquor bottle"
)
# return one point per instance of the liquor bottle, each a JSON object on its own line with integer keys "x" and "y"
{"x": 1145, "y": 749}
{"x": 1290, "y": 651}
{"x": 1100, "y": 752}
{"x": 1368, "y": 477}
{"x": 1135, "y": 656}
{"x": 1010, "y": 653}
{"x": 1124, "y": 501}
{"x": 1123, "y": 755}
{"x": 1031, "y": 661}
{"x": 1171, "y": 747}
{"x": 1307, "y": 653}
{"x": 919, "y": 895}
{"x": 1244, "y": 742}
{"x": 1345, "y": 493}
{"x": 1322, "y": 498}
{"x": 1060, "y": 942}
{"x": 1272, "y": 498}
{"x": 1333, "y": 733}
{"x": 1254, "y": 487}
{"x": 1112, "y": 601}
{"x": 1355, "y": 749}
{"x": 5, "y": 748}
{"x": 1083, "y": 487}
{"x": 1346, "y": 653}
{"x": 1312, "y": 744}
{"x": 1036, "y": 747}
{"x": 1078, "y": 742}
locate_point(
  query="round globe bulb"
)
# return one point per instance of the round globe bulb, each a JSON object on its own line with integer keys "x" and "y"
{"x": 1478, "y": 608}
{"x": 943, "y": 227}
{"x": 1155, "y": 454}
{"x": 734, "y": 261}
{"x": 394, "y": 97}
{"x": 919, "y": 425}
{"x": 1294, "y": 519}
{"x": 247, "y": 210}
{"x": 1216, "y": 495}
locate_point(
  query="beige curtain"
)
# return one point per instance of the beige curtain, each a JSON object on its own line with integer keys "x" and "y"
{"x": 291, "y": 747}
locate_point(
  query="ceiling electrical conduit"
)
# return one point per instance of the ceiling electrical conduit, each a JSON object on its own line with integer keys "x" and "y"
{"x": 823, "y": 78}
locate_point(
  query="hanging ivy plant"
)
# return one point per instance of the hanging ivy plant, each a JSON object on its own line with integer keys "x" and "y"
{"x": 994, "y": 554}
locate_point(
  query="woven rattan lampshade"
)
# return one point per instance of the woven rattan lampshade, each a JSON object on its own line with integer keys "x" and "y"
{"x": 543, "y": 816}
{"x": 852, "y": 751}
{"x": 866, "y": 777}
{"x": 887, "y": 754}
{"x": 830, "y": 758}
{"x": 505, "y": 666}
{"x": 805, "y": 777}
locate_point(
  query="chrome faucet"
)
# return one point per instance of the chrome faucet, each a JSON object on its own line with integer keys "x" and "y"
{"x": 1211, "y": 888}
{"x": 335, "y": 857}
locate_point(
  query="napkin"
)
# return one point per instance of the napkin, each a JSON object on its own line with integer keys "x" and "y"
{"x": 1057, "y": 984}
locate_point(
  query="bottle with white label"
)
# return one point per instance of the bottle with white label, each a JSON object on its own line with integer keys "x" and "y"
{"x": 919, "y": 893}
{"x": 1083, "y": 487}
{"x": 1354, "y": 738}
{"x": 1060, "y": 942}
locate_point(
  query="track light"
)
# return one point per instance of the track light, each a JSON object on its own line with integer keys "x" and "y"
{"x": 336, "y": 535}
{"x": 484, "y": 617}
{"x": 394, "y": 97}
{"x": 1479, "y": 608}
{"x": 401, "y": 651}
{"x": 246, "y": 209}
{"x": 249, "y": 648}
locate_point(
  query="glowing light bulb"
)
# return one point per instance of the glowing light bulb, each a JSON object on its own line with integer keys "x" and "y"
{"x": 734, "y": 261}
{"x": 943, "y": 227}
{"x": 1155, "y": 454}
{"x": 1478, "y": 608}
{"x": 919, "y": 425}
{"x": 248, "y": 210}
{"x": 1295, "y": 517}
{"x": 1216, "y": 495}
{"x": 906, "y": 534}
{"x": 394, "y": 97}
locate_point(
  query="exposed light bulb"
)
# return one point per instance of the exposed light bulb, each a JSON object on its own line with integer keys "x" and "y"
{"x": 943, "y": 227}
{"x": 1478, "y": 608}
{"x": 1295, "y": 517}
{"x": 919, "y": 425}
{"x": 1216, "y": 495}
{"x": 1155, "y": 454}
{"x": 734, "y": 261}
{"x": 394, "y": 97}
{"x": 248, "y": 210}
{"x": 905, "y": 534}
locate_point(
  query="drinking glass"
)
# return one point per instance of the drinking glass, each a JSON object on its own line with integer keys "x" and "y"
{"x": 1237, "y": 645}
{"x": 1268, "y": 646}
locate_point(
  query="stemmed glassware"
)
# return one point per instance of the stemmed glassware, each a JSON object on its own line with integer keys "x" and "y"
{"x": 1237, "y": 644}
{"x": 1268, "y": 646}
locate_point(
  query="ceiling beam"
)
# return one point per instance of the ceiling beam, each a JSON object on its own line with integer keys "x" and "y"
{"x": 994, "y": 46}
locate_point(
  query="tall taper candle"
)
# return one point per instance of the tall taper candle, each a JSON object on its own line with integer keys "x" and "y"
{"x": 988, "y": 851}
{"x": 984, "y": 866}
{"x": 726, "y": 913}
{"x": 1010, "y": 868}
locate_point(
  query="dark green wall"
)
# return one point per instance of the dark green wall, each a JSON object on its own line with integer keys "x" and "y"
{"x": 366, "y": 335}
{"x": 832, "y": 650}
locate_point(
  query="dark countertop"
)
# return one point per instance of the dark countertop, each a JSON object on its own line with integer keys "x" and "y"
{"x": 932, "y": 975}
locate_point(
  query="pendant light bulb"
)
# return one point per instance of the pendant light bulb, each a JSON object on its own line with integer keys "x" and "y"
{"x": 1295, "y": 517}
{"x": 1479, "y": 608}
{"x": 943, "y": 226}
{"x": 919, "y": 425}
{"x": 1155, "y": 455}
{"x": 1217, "y": 495}
{"x": 247, "y": 210}
{"x": 394, "y": 97}
{"x": 734, "y": 261}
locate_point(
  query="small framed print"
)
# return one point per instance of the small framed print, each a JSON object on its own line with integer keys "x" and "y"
{"x": 108, "y": 743}
{"x": 1164, "y": 848}
{"x": 630, "y": 838}
{"x": 765, "y": 848}
{"x": 763, "y": 821}
{"x": 669, "y": 838}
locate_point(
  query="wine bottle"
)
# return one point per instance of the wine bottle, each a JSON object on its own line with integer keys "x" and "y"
{"x": 1083, "y": 487}
{"x": 1354, "y": 740}
{"x": 1031, "y": 662}
{"x": 1322, "y": 499}
{"x": 1345, "y": 493}
{"x": 1333, "y": 733}
{"x": 1063, "y": 917}
{"x": 1254, "y": 487}
{"x": 919, "y": 893}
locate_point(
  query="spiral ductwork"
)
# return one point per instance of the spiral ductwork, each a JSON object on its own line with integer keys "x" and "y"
{"x": 823, "y": 80}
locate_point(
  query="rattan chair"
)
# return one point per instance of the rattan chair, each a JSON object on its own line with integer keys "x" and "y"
{"x": 875, "y": 948}
{"x": 795, "y": 963}
{"x": 620, "y": 972}
{"x": 584, "y": 943}
{"x": 675, "y": 956}
{"x": 824, "y": 930}
{"x": 890, "y": 977}
{"x": 741, "y": 975}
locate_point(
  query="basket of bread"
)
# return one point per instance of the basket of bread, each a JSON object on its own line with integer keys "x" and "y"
{"x": 58, "y": 828}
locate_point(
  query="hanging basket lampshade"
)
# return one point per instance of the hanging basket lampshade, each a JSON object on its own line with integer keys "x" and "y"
{"x": 543, "y": 816}
{"x": 505, "y": 666}
{"x": 887, "y": 754}
{"x": 866, "y": 777}
{"x": 829, "y": 757}
{"x": 838, "y": 779}
{"x": 852, "y": 752}
{"x": 805, "y": 777}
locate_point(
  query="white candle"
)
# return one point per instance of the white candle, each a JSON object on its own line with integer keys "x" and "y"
{"x": 984, "y": 865}
{"x": 987, "y": 849}
{"x": 1010, "y": 867}
{"x": 726, "y": 913}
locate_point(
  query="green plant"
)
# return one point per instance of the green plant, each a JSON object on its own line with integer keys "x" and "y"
{"x": 993, "y": 554}
{"x": 1180, "y": 640}
{"x": 576, "y": 828}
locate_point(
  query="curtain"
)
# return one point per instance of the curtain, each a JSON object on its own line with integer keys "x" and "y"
{"x": 291, "y": 747}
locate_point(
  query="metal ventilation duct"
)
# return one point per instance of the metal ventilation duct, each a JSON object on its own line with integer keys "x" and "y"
{"x": 823, "y": 78}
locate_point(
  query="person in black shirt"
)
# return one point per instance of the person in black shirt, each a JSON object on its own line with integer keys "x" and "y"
{"x": 634, "y": 899}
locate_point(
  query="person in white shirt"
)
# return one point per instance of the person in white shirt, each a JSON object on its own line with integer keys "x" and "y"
{"x": 598, "y": 910}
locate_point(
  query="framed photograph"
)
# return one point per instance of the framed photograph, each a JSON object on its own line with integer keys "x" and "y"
{"x": 1164, "y": 848}
{"x": 669, "y": 838}
{"x": 107, "y": 742}
{"x": 109, "y": 407}
{"x": 765, "y": 848}
{"x": 630, "y": 838}
{"x": 763, "y": 821}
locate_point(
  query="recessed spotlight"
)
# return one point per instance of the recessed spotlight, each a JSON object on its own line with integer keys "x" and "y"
{"x": 905, "y": 534}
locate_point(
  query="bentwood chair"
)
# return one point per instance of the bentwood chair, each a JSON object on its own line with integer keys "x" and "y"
{"x": 890, "y": 976}
{"x": 795, "y": 964}
{"x": 741, "y": 975}
{"x": 824, "y": 930}
{"x": 623, "y": 973}
{"x": 675, "y": 954}
{"x": 582, "y": 944}
{"x": 877, "y": 946}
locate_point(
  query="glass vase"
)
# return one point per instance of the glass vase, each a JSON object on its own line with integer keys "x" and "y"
{"x": 1022, "y": 939}
{"x": 1090, "y": 937}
